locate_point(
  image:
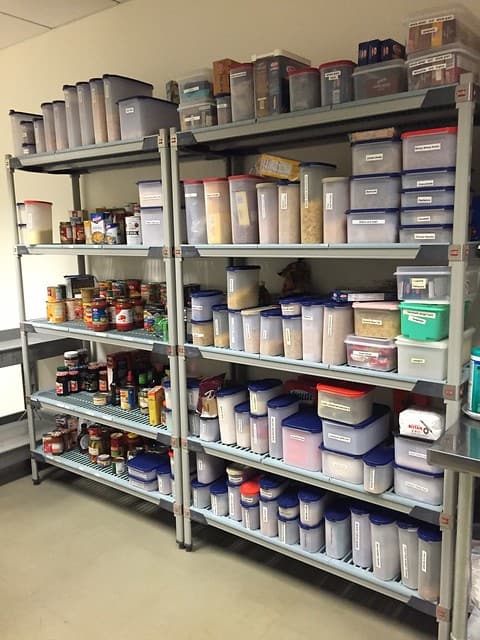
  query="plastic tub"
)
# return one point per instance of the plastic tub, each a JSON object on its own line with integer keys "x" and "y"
{"x": 424, "y": 178}
{"x": 419, "y": 216}
{"x": 279, "y": 408}
{"x": 429, "y": 562}
{"x": 197, "y": 115}
{"x": 268, "y": 517}
{"x": 408, "y": 546}
{"x": 427, "y": 234}
{"x": 272, "y": 487}
{"x": 336, "y": 81}
{"x": 261, "y": 391}
{"x": 434, "y": 28}
{"x": 243, "y": 207}
{"x": 288, "y": 505}
{"x": 151, "y": 221}
{"x": 376, "y": 319}
{"x": 202, "y": 333}
{"x": 97, "y": 92}
{"x": 49, "y": 127}
{"x": 271, "y": 333}
{"x": 429, "y": 148}
{"x": 242, "y": 425}
{"x": 38, "y": 216}
{"x": 381, "y": 79}
{"x": 16, "y": 117}
{"x": 221, "y": 338}
{"x": 144, "y": 116}
{"x": 441, "y": 66}
{"x": 164, "y": 480}
{"x": 196, "y": 86}
{"x": 292, "y": 306}
{"x": 418, "y": 485}
{"x": 267, "y": 202}
{"x": 151, "y": 485}
{"x": 227, "y": 400}
{"x": 85, "y": 113}
{"x": 242, "y": 94}
{"x": 361, "y": 536}
{"x": 250, "y": 491}
{"x": 381, "y": 191}
{"x": 374, "y": 225}
{"x": 235, "y": 330}
{"x": 118, "y": 88}
{"x": 428, "y": 284}
{"x": 288, "y": 212}
{"x": 39, "y": 134}
{"x": 304, "y": 88}
{"x": 144, "y": 467}
{"x": 238, "y": 474}
{"x": 288, "y": 530}
{"x": 385, "y": 551}
{"x": 209, "y": 468}
{"x": 224, "y": 109}
{"x": 342, "y": 466}
{"x": 378, "y": 470}
{"x": 292, "y": 337}
{"x": 349, "y": 403}
{"x": 217, "y": 211}
{"x": 412, "y": 453}
{"x": 336, "y": 202}
{"x": 72, "y": 115}
{"x": 376, "y": 354}
{"x": 357, "y": 439}
{"x": 60, "y": 120}
{"x": 193, "y": 387}
{"x": 242, "y": 287}
{"x": 424, "y": 321}
{"x": 312, "y": 539}
{"x": 312, "y": 330}
{"x": 302, "y": 437}
{"x": 337, "y": 325}
{"x": 338, "y": 533}
{"x": 251, "y": 328}
{"x": 195, "y": 212}
{"x": 379, "y": 156}
{"x": 202, "y": 303}
{"x": 194, "y": 423}
{"x": 311, "y": 205}
{"x": 234, "y": 505}
{"x": 219, "y": 498}
{"x": 150, "y": 194}
{"x": 200, "y": 494}
{"x": 430, "y": 197}
{"x": 209, "y": 429}
{"x": 312, "y": 506}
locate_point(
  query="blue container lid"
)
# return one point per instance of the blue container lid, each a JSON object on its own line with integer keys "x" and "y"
{"x": 309, "y": 527}
{"x": 373, "y": 211}
{"x": 264, "y": 499}
{"x": 258, "y": 415}
{"x": 296, "y": 315}
{"x": 318, "y": 164}
{"x": 193, "y": 383}
{"x": 264, "y": 385}
{"x": 422, "y": 473}
{"x": 379, "y": 410}
{"x": 305, "y": 421}
{"x": 382, "y": 517}
{"x": 245, "y": 267}
{"x": 145, "y": 462}
{"x": 430, "y": 534}
{"x": 449, "y": 207}
{"x": 284, "y": 400}
{"x": 314, "y": 302}
{"x": 271, "y": 482}
{"x": 283, "y": 183}
{"x": 293, "y": 299}
{"x": 230, "y": 391}
{"x": 338, "y": 453}
{"x": 423, "y": 189}
{"x": 337, "y": 512}
{"x": 284, "y": 519}
{"x": 232, "y": 485}
{"x": 243, "y": 407}
{"x": 199, "y": 485}
{"x": 427, "y": 226}
{"x": 311, "y": 494}
{"x": 237, "y": 311}
{"x": 288, "y": 500}
{"x": 163, "y": 469}
{"x": 379, "y": 456}
{"x": 218, "y": 487}
{"x": 206, "y": 293}
{"x": 433, "y": 170}
{"x": 376, "y": 175}
{"x": 395, "y": 139}
{"x": 201, "y": 321}
{"x": 407, "y": 523}
{"x": 271, "y": 313}
{"x": 360, "y": 508}
{"x": 219, "y": 307}
{"x": 331, "y": 304}
{"x": 247, "y": 505}
{"x": 166, "y": 383}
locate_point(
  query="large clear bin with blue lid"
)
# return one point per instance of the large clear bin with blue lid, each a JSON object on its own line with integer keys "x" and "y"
{"x": 302, "y": 437}
{"x": 372, "y": 226}
{"x": 235, "y": 330}
{"x": 243, "y": 208}
{"x": 304, "y": 86}
{"x": 408, "y": 547}
{"x": 429, "y": 197}
{"x": 423, "y": 178}
{"x": 202, "y": 303}
{"x": 342, "y": 466}
{"x": 378, "y": 470}
{"x": 379, "y": 156}
{"x": 418, "y": 216}
{"x": 144, "y": 467}
{"x": 429, "y": 562}
{"x": 219, "y": 498}
{"x": 279, "y": 408}
{"x": 242, "y": 286}
{"x": 312, "y": 502}
{"x": 361, "y": 535}
{"x": 376, "y": 191}
{"x": 338, "y": 533}
{"x": 271, "y": 332}
{"x": 357, "y": 439}
{"x": 117, "y": 88}
{"x": 312, "y": 538}
{"x": 385, "y": 551}
{"x": 427, "y": 234}
{"x": 261, "y": 391}
{"x": 312, "y": 330}
{"x": 144, "y": 116}
{"x": 195, "y": 212}
{"x": 72, "y": 116}
{"x": 269, "y": 517}
{"x": 242, "y": 91}
{"x": 429, "y": 148}
{"x": 85, "y": 113}
{"x": 412, "y": 453}
{"x": 221, "y": 338}
{"x": 418, "y": 485}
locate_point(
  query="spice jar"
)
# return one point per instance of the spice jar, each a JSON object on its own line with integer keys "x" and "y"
{"x": 103, "y": 379}
{"x": 57, "y": 443}
{"x": 94, "y": 448}
{"x": 143, "y": 400}
{"x": 124, "y": 315}
{"x": 62, "y": 382}
{"x": 99, "y": 315}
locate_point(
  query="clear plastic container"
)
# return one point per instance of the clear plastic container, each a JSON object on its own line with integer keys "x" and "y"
{"x": 217, "y": 211}
{"x": 427, "y": 284}
{"x": 312, "y": 504}
{"x": 381, "y": 79}
{"x": 419, "y": 216}
{"x": 337, "y": 82}
{"x": 376, "y": 319}
{"x": 427, "y": 234}
{"x": 117, "y": 88}
{"x": 193, "y": 391}
{"x": 337, "y": 325}
{"x": 202, "y": 333}
{"x": 336, "y": 202}
{"x": 250, "y": 516}
{"x": 302, "y": 437}
{"x": 435, "y": 28}
{"x": 429, "y": 562}
{"x": 424, "y": 321}
{"x": 288, "y": 530}
{"x": 418, "y": 485}
{"x": 151, "y": 220}
{"x": 17, "y": 117}
{"x": 144, "y": 116}
{"x": 442, "y": 66}
{"x": 268, "y": 517}
{"x": 72, "y": 115}
{"x": 235, "y": 330}
{"x": 271, "y": 333}
{"x": 242, "y": 286}
{"x": 272, "y": 487}
{"x": 242, "y": 425}
{"x": 357, "y": 439}
{"x": 288, "y": 505}
{"x": 39, "y": 134}
{"x": 196, "y": 86}
{"x": 234, "y": 505}
{"x": 224, "y": 109}
{"x": 349, "y": 403}
{"x": 221, "y": 338}
{"x": 288, "y": 212}
{"x": 378, "y": 470}
{"x": 412, "y": 453}
{"x": 312, "y": 330}
{"x": 26, "y": 129}
{"x": 164, "y": 480}
{"x": 38, "y": 216}
{"x": 379, "y": 156}
{"x": 251, "y": 328}
{"x": 195, "y": 212}
{"x": 385, "y": 551}
{"x": 423, "y": 178}
{"x": 380, "y": 191}
{"x": 338, "y": 532}
{"x": 243, "y": 207}
{"x": 200, "y": 495}
{"x": 261, "y": 391}
{"x": 209, "y": 468}
{"x": 304, "y": 86}
{"x": 376, "y": 354}
{"x": 60, "y": 120}
{"x": 422, "y": 423}
{"x": 430, "y": 197}
{"x": 279, "y": 408}
{"x": 374, "y": 225}
{"x": 150, "y": 194}
{"x": 311, "y": 205}
{"x": 97, "y": 92}
{"x": 237, "y": 474}
{"x": 194, "y": 423}
{"x": 361, "y": 536}
{"x": 342, "y": 466}
{"x": 429, "y": 148}
{"x": 242, "y": 94}
{"x": 312, "y": 539}
{"x": 408, "y": 546}
{"x": 219, "y": 498}
{"x": 85, "y": 113}
{"x": 49, "y": 126}
{"x": 227, "y": 400}
{"x": 197, "y": 115}
{"x": 259, "y": 433}
{"x": 292, "y": 337}
{"x": 267, "y": 202}
{"x": 202, "y": 303}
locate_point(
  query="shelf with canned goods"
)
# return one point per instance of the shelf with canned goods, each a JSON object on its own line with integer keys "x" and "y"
{"x": 100, "y": 250}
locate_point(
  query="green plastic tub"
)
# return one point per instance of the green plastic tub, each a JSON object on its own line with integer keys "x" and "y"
{"x": 424, "y": 321}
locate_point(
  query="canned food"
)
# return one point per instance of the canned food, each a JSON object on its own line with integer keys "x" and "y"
{"x": 161, "y": 328}
{"x": 148, "y": 291}
{"x": 118, "y": 465}
{"x": 78, "y": 230}
{"x": 101, "y": 398}
{"x": 56, "y": 293}
{"x": 133, "y": 440}
{"x": 66, "y": 235}
{"x": 104, "y": 460}
{"x": 117, "y": 444}
{"x": 73, "y": 309}
{"x": 47, "y": 443}
{"x": 127, "y": 398}
{"x": 56, "y": 311}
{"x": 88, "y": 293}
{"x": 134, "y": 288}
{"x": 119, "y": 288}
{"x": 138, "y": 304}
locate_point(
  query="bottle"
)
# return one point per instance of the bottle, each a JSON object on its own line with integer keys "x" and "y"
{"x": 62, "y": 381}
{"x": 82, "y": 438}
{"x": 114, "y": 394}
{"x": 74, "y": 386}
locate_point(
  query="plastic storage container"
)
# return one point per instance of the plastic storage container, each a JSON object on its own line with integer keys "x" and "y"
{"x": 312, "y": 504}
{"x": 38, "y": 216}
{"x": 288, "y": 530}
{"x": 380, "y": 191}
{"x": 194, "y": 423}
{"x": 272, "y": 487}
{"x": 221, "y": 338}
{"x": 195, "y": 212}
{"x": 342, "y": 466}
{"x": 242, "y": 93}
{"x": 378, "y": 470}
{"x": 242, "y": 425}
{"x": 164, "y": 480}
{"x": 302, "y": 437}
{"x": 336, "y": 81}
{"x": 374, "y": 225}
{"x": 143, "y": 116}
{"x": 217, "y": 211}
{"x": 381, "y": 79}
{"x": 267, "y": 202}
{"x": 268, "y": 517}
{"x": 49, "y": 126}
{"x": 151, "y": 221}
{"x": 408, "y": 546}
{"x": 39, "y": 134}
{"x": 292, "y": 305}
{"x": 429, "y": 561}
{"x": 336, "y": 202}
{"x": 235, "y": 330}
{"x": 202, "y": 303}
{"x": 427, "y": 234}
{"x": 376, "y": 319}
{"x": 288, "y": 505}
{"x": 312, "y": 330}
{"x": 429, "y": 148}
{"x": 426, "y": 215}
{"x": 60, "y": 120}
{"x": 361, "y": 536}
{"x": 357, "y": 439}
{"x": 288, "y": 212}
{"x": 379, "y": 156}
{"x": 85, "y": 113}
{"x": 430, "y": 197}
{"x": 338, "y": 533}
{"x": 16, "y": 117}
{"x": 209, "y": 468}
{"x": 304, "y": 86}
{"x": 271, "y": 333}
{"x": 337, "y": 325}
{"x": 193, "y": 389}
{"x": 219, "y": 498}
{"x": 385, "y": 552}
{"x": 117, "y": 88}
{"x": 238, "y": 474}
{"x": 261, "y": 391}
{"x": 144, "y": 467}
{"x": 418, "y": 485}
{"x": 197, "y": 115}
{"x": 97, "y": 92}
{"x": 427, "y": 284}
{"x": 259, "y": 433}
{"x": 150, "y": 194}
{"x": 195, "y": 87}
{"x": 376, "y": 354}
{"x": 292, "y": 337}
{"x": 424, "y": 321}
{"x": 441, "y": 66}
{"x": 234, "y": 503}
{"x": 347, "y": 403}
{"x": 243, "y": 207}
{"x": 279, "y": 408}
{"x": 412, "y": 453}
{"x": 202, "y": 333}
{"x": 250, "y": 491}
{"x": 224, "y": 109}
{"x": 242, "y": 287}
{"x": 423, "y": 178}
{"x": 311, "y": 204}
{"x": 227, "y": 400}
{"x": 200, "y": 494}
{"x": 434, "y": 28}
{"x": 251, "y": 328}
{"x": 312, "y": 539}
{"x": 72, "y": 115}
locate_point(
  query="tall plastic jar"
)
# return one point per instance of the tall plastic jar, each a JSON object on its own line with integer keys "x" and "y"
{"x": 267, "y": 201}
{"x": 217, "y": 211}
{"x": 337, "y": 325}
{"x": 60, "y": 119}
{"x": 279, "y": 408}
{"x": 224, "y": 108}
{"x": 227, "y": 400}
{"x": 429, "y": 556}
{"x": 385, "y": 552}
{"x": 242, "y": 286}
{"x": 312, "y": 505}
{"x": 311, "y": 203}
{"x": 73, "y": 117}
{"x": 259, "y": 433}
{"x": 38, "y": 215}
{"x": 268, "y": 517}
{"x": 235, "y": 330}
{"x": 312, "y": 330}
{"x": 242, "y": 425}
{"x": 97, "y": 91}
{"x": 39, "y": 132}
{"x": 271, "y": 333}
{"x": 49, "y": 126}
{"x": 85, "y": 113}
{"x": 234, "y": 506}
{"x": 336, "y": 203}
{"x": 195, "y": 212}
{"x": 242, "y": 93}
{"x": 288, "y": 212}
{"x": 221, "y": 338}
{"x": 408, "y": 543}
{"x": 292, "y": 336}
{"x": 338, "y": 533}
{"x": 243, "y": 207}
{"x": 361, "y": 536}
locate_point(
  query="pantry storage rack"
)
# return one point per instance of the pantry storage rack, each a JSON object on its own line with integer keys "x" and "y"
{"x": 451, "y": 105}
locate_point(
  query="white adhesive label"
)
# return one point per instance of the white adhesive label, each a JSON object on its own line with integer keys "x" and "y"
{"x": 238, "y": 74}
{"x": 418, "y": 454}
{"x": 339, "y": 465}
{"x": 191, "y": 89}
{"x": 425, "y": 148}
{"x": 363, "y": 356}
{"x": 213, "y": 195}
{"x": 243, "y": 214}
{"x": 421, "y": 219}
{"x": 431, "y": 315}
{"x": 372, "y": 321}
{"x": 423, "y": 562}
{"x": 356, "y": 536}
{"x": 428, "y": 31}
{"x": 419, "y": 283}
{"x": 264, "y": 514}
{"x": 424, "y": 199}
{"x": 288, "y": 336}
{"x": 231, "y": 503}
{"x": 335, "y": 436}
{"x": 405, "y": 561}
{"x": 424, "y": 236}
{"x": 253, "y": 403}
{"x": 417, "y": 487}
{"x": 283, "y": 201}
{"x": 426, "y": 21}
{"x": 378, "y": 555}
{"x": 417, "y": 360}
{"x": 215, "y": 505}
{"x": 197, "y": 306}
{"x": 306, "y": 180}
{"x": 374, "y": 157}
{"x": 263, "y": 208}
{"x": 273, "y": 430}
{"x": 425, "y": 183}
{"x": 216, "y": 326}
{"x": 330, "y": 325}
{"x": 335, "y": 405}
{"x": 296, "y": 437}
{"x": 371, "y": 192}
{"x": 282, "y": 532}
{"x": 417, "y": 320}
{"x": 329, "y": 201}
{"x": 191, "y": 195}
{"x": 130, "y": 110}
{"x": 368, "y": 221}
{"x": 371, "y": 479}
{"x": 333, "y": 75}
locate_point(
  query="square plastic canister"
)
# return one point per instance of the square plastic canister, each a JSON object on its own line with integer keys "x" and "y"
{"x": 302, "y": 437}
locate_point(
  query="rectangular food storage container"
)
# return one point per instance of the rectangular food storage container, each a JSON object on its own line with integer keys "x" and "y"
{"x": 412, "y": 453}
{"x": 144, "y": 116}
{"x": 217, "y": 211}
{"x": 72, "y": 115}
{"x": 424, "y": 178}
{"x": 430, "y": 197}
{"x": 381, "y": 79}
{"x": 195, "y": 212}
{"x": 424, "y": 321}
{"x": 224, "y": 109}
{"x": 150, "y": 193}
{"x": 381, "y": 191}
{"x": 267, "y": 200}
{"x": 337, "y": 325}
{"x": 429, "y": 148}
{"x": 440, "y": 67}
{"x": 16, "y": 117}
{"x": 144, "y": 467}
{"x": 117, "y": 88}
{"x": 292, "y": 337}
{"x": 151, "y": 221}
{"x": 341, "y": 466}
{"x": 423, "y": 284}
{"x": 304, "y": 85}
{"x": 312, "y": 330}
{"x": 336, "y": 82}
{"x": 380, "y": 156}
{"x": 427, "y": 234}
{"x": 279, "y": 408}
{"x": 197, "y": 115}
{"x": 151, "y": 485}
{"x": 241, "y": 91}
{"x": 243, "y": 208}
{"x": 97, "y": 92}
{"x": 375, "y": 225}
{"x": 376, "y": 354}
{"x": 376, "y": 319}
{"x": 235, "y": 330}
{"x": 418, "y": 485}
{"x": 261, "y": 391}
{"x": 251, "y": 328}
{"x": 196, "y": 87}
{"x": 336, "y": 202}
{"x": 242, "y": 286}
{"x": 348, "y": 403}
{"x": 39, "y": 134}
{"x": 378, "y": 470}
{"x": 434, "y": 28}
{"x": 357, "y": 439}
{"x": 302, "y": 437}
{"x": 426, "y": 215}
{"x": 85, "y": 113}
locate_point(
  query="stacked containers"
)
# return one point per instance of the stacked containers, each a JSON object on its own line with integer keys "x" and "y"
{"x": 227, "y": 400}
{"x": 242, "y": 91}
{"x": 278, "y": 409}
{"x": 118, "y": 88}
{"x": 361, "y": 536}
{"x": 197, "y": 107}
{"x": 195, "y": 212}
{"x": 302, "y": 437}
{"x": 311, "y": 204}
{"x": 217, "y": 211}
{"x": 385, "y": 550}
{"x": 243, "y": 207}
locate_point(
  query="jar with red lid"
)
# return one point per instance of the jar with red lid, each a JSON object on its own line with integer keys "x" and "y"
{"x": 99, "y": 314}
{"x": 57, "y": 443}
{"x": 62, "y": 386}
{"x": 138, "y": 306}
{"x": 134, "y": 288}
{"x": 124, "y": 315}
{"x": 94, "y": 430}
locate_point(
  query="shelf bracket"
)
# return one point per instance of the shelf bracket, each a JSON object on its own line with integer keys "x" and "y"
{"x": 186, "y": 512}
{"x": 452, "y": 392}
{"x": 446, "y": 521}
{"x": 458, "y": 252}
{"x": 442, "y": 614}
{"x": 27, "y": 327}
{"x": 20, "y": 250}
{"x": 173, "y": 140}
{"x": 177, "y": 509}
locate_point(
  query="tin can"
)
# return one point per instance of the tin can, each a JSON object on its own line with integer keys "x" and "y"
{"x": 104, "y": 287}
{"x": 134, "y": 288}
{"x": 78, "y": 230}
{"x": 104, "y": 460}
{"x": 87, "y": 314}
{"x": 111, "y": 233}
{"x": 70, "y": 308}
{"x": 56, "y": 311}
{"x": 118, "y": 465}
{"x": 117, "y": 444}
{"x": 138, "y": 305}
{"x": 149, "y": 292}
{"x": 143, "y": 400}
{"x": 101, "y": 398}
{"x": 66, "y": 235}
{"x": 127, "y": 398}
{"x": 150, "y": 313}
{"x": 87, "y": 293}
{"x": 94, "y": 448}
{"x": 56, "y": 293}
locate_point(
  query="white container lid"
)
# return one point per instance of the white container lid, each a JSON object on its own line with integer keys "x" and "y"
{"x": 281, "y": 52}
{"x": 422, "y": 271}
{"x": 421, "y": 344}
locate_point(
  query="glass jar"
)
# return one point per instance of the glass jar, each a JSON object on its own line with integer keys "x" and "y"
{"x": 71, "y": 359}
{"x": 124, "y": 315}
{"x": 62, "y": 387}
{"x": 73, "y": 381}
{"x": 95, "y": 448}
{"x": 138, "y": 306}
{"x": 91, "y": 379}
{"x": 57, "y": 443}
{"x": 99, "y": 314}
{"x": 117, "y": 444}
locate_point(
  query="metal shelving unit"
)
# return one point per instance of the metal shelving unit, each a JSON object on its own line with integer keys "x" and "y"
{"x": 449, "y": 105}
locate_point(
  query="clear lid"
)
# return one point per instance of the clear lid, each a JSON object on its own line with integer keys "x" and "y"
{"x": 387, "y": 65}
{"x": 422, "y": 271}
{"x": 379, "y": 306}
{"x": 378, "y": 343}
{"x": 281, "y": 52}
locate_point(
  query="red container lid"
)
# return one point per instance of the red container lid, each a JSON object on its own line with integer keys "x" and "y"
{"x": 215, "y": 180}
{"x": 337, "y": 63}
{"x": 347, "y": 390}
{"x": 295, "y": 72}
{"x": 243, "y": 176}
{"x": 251, "y": 487}
{"x": 36, "y": 202}
{"x": 170, "y": 453}
{"x": 426, "y": 132}
{"x": 193, "y": 181}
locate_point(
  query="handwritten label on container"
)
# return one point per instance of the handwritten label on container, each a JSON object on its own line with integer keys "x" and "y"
{"x": 334, "y": 436}
{"x": 374, "y": 157}
{"x": 368, "y": 221}
{"x": 371, "y": 192}
{"x": 424, "y": 199}
{"x": 329, "y": 201}
{"x": 425, "y": 148}
{"x": 419, "y": 283}
{"x": 417, "y": 360}
{"x": 424, "y": 236}
{"x": 372, "y": 321}
{"x": 335, "y": 405}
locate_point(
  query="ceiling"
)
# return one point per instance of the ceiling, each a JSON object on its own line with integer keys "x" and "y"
{"x": 23, "y": 19}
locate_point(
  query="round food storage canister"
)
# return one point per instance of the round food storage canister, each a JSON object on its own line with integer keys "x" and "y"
{"x": 278, "y": 409}
{"x": 312, "y": 538}
{"x": 194, "y": 423}
{"x": 288, "y": 212}
{"x": 235, "y": 330}
{"x": 250, "y": 491}
{"x": 304, "y": 88}
{"x": 251, "y": 328}
{"x": 237, "y": 473}
{"x": 429, "y": 556}
{"x": 219, "y": 498}
{"x": 221, "y": 338}
{"x": 378, "y": 469}
{"x": 164, "y": 479}
{"x": 259, "y": 433}
{"x": 243, "y": 207}
{"x": 385, "y": 552}
{"x": 271, "y": 487}
{"x": 202, "y": 333}
{"x": 202, "y": 303}
{"x": 361, "y": 535}
{"x": 312, "y": 505}
{"x": 269, "y": 516}
{"x": 250, "y": 515}
{"x": 288, "y": 530}
{"x": 227, "y": 400}
{"x": 261, "y": 391}
{"x": 209, "y": 429}
{"x": 242, "y": 425}
{"x": 338, "y": 533}
{"x": 195, "y": 212}
{"x": 38, "y": 216}
{"x": 234, "y": 505}
{"x": 408, "y": 543}
{"x": 311, "y": 204}
{"x": 336, "y": 203}
{"x": 267, "y": 201}
{"x": 200, "y": 494}
{"x": 312, "y": 330}
{"x": 288, "y": 505}
{"x": 271, "y": 333}
{"x": 242, "y": 286}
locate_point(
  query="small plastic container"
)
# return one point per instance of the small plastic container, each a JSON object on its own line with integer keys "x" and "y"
{"x": 197, "y": 115}
{"x": 422, "y": 360}
{"x": 279, "y": 408}
{"x": 267, "y": 202}
{"x": 217, "y": 211}
{"x": 39, "y": 135}
{"x": 250, "y": 491}
{"x": 349, "y": 403}
{"x": 221, "y": 338}
{"x": 385, "y": 552}
{"x": 49, "y": 126}
{"x": 200, "y": 494}
{"x": 292, "y": 305}
{"x": 357, "y": 439}
{"x": 336, "y": 82}
{"x": 427, "y": 284}
{"x": 408, "y": 546}
{"x": 202, "y": 303}
{"x": 288, "y": 530}
{"x": 312, "y": 506}
{"x": 418, "y": 485}
{"x": 234, "y": 504}
{"x": 16, "y": 120}
{"x": 259, "y": 433}
{"x": 376, "y": 354}
{"x": 242, "y": 425}
{"x": 427, "y": 234}
{"x": 304, "y": 86}
{"x": 196, "y": 86}
{"x": 60, "y": 120}
{"x": 342, "y": 466}
{"x": 235, "y": 330}
{"x": 167, "y": 389}
{"x": 378, "y": 470}
{"x": 251, "y": 328}
{"x": 427, "y": 178}
{"x": 435, "y": 28}
{"x": 419, "y": 216}
{"x": 288, "y": 212}
{"x": 379, "y": 156}
{"x": 85, "y": 113}
{"x": 288, "y": 505}
{"x": 374, "y": 225}
{"x": 292, "y": 337}
{"x": 380, "y": 191}
{"x": 429, "y": 562}
{"x": 312, "y": 538}
{"x": 381, "y": 79}
{"x": 209, "y": 429}
{"x": 150, "y": 194}
{"x": 219, "y": 498}
{"x": 424, "y": 321}
{"x": 311, "y": 204}
{"x": 302, "y": 437}
{"x": 151, "y": 485}
{"x": 242, "y": 94}
{"x": 193, "y": 388}
{"x": 431, "y": 197}
{"x": 151, "y": 220}
{"x": 312, "y": 330}
{"x": 268, "y": 517}
{"x": 337, "y": 325}
{"x": 338, "y": 532}
{"x": 237, "y": 474}
{"x": 117, "y": 88}
{"x": 376, "y": 319}
{"x": 202, "y": 333}
{"x": 195, "y": 212}
{"x": 194, "y": 423}
{"x": 336, "y": 202}
{"x": 272, "y": 487}
{"x": 224, "y": 108}
{"x": 97, "y": 91}
{"x": 271, "y": 333}
{"x": 144, "y": 116}
{"x": 243, "y": 207}
{"x": 144, "y": 467}
{"x": 209, "y": 468}
{"x": 261, "y": 391}
{"x": 72, "y": 115}
{"x": 361, "y": 536}
{"x": 164, "y": 480}
{"x": 412, "y": 453}
{"x": 38, "y": 216}
{"x": 441, "y": 66}
{"x": 242, "y": 287}
{"x": 429, "y": 148}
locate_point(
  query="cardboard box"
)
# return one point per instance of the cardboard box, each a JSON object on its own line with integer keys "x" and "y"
{"x": 277, "y": 167}
{"x": 376, "y": 134}
{"x": 98, "y": 226}
{"x": 156, "y": 396}
{"x": 221, "y": 76}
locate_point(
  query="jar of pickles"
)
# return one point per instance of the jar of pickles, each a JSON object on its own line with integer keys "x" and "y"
{"x": 94, "y": 448}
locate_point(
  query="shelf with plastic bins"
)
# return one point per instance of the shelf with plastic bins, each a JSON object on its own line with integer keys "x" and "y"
{"x": 342, "y": 568}
{"x": 80, "y": 464}
{"x": 101, "y": 250}
{"x": 263, "y": 462}
{"x": 81, "y": 405}
{"x": 136, "y": 338}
